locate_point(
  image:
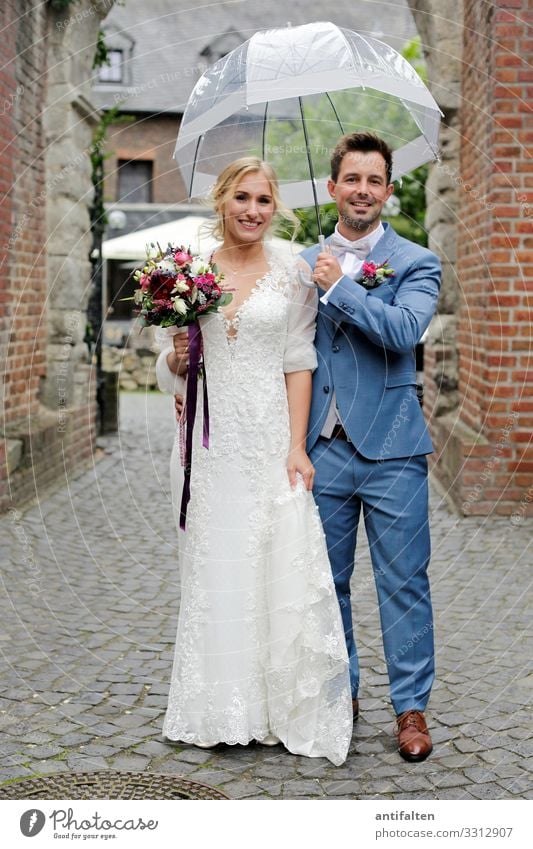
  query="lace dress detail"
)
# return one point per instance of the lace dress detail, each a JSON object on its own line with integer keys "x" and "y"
{"x": 260, "y": 645}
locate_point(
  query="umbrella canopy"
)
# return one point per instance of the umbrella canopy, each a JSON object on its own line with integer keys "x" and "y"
{"x": 286, "y": 95}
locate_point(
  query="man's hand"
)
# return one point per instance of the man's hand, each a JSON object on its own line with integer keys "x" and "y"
{"x": 178, "y": 405}
{"x": 327, "y": 270}
{"x": 181, "y": 351}
{"x": 298, "y": 461}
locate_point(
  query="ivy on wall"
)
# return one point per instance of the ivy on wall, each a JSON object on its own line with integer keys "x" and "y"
{"x": 61, "y": 5}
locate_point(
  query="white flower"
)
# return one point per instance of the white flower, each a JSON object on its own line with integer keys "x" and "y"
{"x": 166, "y": 265}
{"x": 198, "y": 266}
{"x": 179, "y": 306}
{"x": 138, "y": 296}
{"x": 180, "y": 286}
{"x": 193, "y": 295}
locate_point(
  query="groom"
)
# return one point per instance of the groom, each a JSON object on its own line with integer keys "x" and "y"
{"x": 367, "y": 435}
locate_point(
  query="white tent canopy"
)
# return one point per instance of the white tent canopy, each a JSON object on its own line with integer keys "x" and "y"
{"x": 188, "y": 231}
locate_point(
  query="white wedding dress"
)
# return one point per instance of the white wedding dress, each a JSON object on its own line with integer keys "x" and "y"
{"x": 260, "y": 645}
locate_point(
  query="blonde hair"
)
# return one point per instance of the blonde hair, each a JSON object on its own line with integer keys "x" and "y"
{"x": 229, "y": 179}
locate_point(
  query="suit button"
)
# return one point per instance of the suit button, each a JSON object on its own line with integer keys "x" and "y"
{"x": 326, "y": 389}
{"x": 335, "y": 349}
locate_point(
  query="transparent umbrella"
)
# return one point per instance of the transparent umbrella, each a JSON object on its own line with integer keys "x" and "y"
{"x": 286, "y": 95}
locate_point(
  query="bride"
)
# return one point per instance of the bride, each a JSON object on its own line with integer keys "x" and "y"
{"x": 260, "y": 649}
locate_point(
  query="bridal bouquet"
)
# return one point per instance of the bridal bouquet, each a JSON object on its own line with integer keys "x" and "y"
{"x": 176, "y": 287}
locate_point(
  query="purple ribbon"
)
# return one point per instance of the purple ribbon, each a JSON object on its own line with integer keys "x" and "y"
{"x": 191, "y": 398}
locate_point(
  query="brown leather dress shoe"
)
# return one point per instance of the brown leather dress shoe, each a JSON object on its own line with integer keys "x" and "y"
{"x": 414, "y": 742}
{"x": 355, "y": 708}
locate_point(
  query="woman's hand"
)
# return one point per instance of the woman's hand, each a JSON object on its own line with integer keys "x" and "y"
{"x": 178, "y": 406}
{"x": 298, "y": 461}
{"x": 181, "y": 353}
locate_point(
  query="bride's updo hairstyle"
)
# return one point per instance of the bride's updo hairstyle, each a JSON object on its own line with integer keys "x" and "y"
{"x": 230, "y": 178}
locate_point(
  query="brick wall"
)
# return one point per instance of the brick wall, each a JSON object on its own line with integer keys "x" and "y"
{"x": 486, "y": 452}
{"x": 23, "y": 234}
{"x": 40, "y": 444}
{"x": 8, "y": 94}
{"x": 147, "y": 137}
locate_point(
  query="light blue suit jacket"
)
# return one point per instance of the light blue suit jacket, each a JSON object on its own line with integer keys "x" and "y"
{"x": 366, "y": 341}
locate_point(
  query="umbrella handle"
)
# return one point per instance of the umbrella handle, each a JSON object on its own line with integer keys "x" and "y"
{"x": 305, "y": 279}
{"x": 303, "y": 271}
{"x": 304, "y": 275}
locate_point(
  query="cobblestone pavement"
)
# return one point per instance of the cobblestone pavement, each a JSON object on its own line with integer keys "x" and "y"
{"x": 88, "y": 617}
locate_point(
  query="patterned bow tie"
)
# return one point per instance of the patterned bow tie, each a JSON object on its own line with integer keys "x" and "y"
{"x": 339, "y": 245}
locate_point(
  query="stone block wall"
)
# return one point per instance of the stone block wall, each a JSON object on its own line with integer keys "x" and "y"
{"x": 440, "y": 25}
{"x": 135, "y": 369}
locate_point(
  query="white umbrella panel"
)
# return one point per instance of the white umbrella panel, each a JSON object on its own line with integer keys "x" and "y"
{"x": 287, "y": 95}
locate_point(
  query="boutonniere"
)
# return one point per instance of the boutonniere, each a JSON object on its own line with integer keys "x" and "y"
{"x": 374, "y": 275}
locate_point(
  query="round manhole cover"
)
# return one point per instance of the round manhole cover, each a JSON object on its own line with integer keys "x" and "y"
{"x": 107, "y": 784}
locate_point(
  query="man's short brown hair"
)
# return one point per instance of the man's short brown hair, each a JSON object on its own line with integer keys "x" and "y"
{"x": 363, "y": 143}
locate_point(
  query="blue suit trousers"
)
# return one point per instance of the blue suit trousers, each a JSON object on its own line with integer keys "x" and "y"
{"x": 394, "y": 496}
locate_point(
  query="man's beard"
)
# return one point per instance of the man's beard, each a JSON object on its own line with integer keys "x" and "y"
{"x": 357, "y": 223}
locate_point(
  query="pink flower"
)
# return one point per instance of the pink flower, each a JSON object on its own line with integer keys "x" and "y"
{"x": 374, "y": 275}
{"x": 203, "y": 281}
{"x": 182, "y": 257}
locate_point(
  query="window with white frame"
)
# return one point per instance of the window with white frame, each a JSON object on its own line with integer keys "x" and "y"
{"x": 113, "y": 70}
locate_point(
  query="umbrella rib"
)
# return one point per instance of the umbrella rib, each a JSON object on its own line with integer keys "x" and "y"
{"x": 339, "y": 122}
{"x": 194, "y": 161}
{"x": 264, "y": 132}
{"x": 310, "y": 163}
